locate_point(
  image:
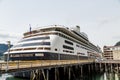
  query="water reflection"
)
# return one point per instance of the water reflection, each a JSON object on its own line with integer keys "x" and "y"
{"x": 116, "y": 77}
{"x": 98, "y": 76}
{"x": 101, "y": 76}
{"x": 9, "y": 77}
{"x": 5, "y": 76}
{"x": 106, "y": 76}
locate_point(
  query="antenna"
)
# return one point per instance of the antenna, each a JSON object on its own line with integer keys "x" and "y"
{"x": 30, "y": 28}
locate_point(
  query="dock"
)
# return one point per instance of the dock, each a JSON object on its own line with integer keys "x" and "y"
{"x": 14, "y": 66}
{"x": 68, "y": 69}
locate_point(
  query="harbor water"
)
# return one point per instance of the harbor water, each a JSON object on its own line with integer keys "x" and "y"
{"x": 98, "y": 76}
{"x": 10, "y": 77}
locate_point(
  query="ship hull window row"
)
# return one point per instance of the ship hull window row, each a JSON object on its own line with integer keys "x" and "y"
{"x": 56, "y": 33}
{"x": 40, "y": 48}
{"x": 38, "y": 38}
{"x": 61, "y": 35}
{"x": 43, "y": 56}
{"x": 33, "y": 44}
{"x": 52, "y": 33}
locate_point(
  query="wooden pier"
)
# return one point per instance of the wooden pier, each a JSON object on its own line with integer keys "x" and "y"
{"x": 14, "y": 66}
{"x": 57, "y": 69}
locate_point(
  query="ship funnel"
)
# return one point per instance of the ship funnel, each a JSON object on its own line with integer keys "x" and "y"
{"x": 77, "y": 29}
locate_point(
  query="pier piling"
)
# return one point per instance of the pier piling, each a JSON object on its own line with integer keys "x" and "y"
{"x": 69, "y": 75}
{"x": 47, "y": 75}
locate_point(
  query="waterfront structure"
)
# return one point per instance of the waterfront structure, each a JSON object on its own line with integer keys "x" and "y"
{"x": 111, "y": 52}
{"x": 67, "y": 69}
{"x": 107, "y": 52}
{"x": 54, "y": 43}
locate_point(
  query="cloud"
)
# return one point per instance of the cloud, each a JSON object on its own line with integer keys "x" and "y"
{"x": 103, "y": 22}
{"x": 116, "y": 37}
{"x": 6, "y": 35}
{"x": 1, "y": 0}
{"x": 9, "y": 37}
{"x": 118, "y": 0}
{"x": 109, "y": 20}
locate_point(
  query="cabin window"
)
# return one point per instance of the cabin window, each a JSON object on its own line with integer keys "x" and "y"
{"x": 68, "y": 42}
{"x": 80, "y": 53}
{"x": 68, "y": 51}
{"x": 68, "y": 47}
{"x": 39, "y": 54}
{"x": 47, "y": 48}
{"x": 78, "y": 45}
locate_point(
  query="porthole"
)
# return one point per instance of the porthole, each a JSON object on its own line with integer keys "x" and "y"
{"x": 55, "y": 49}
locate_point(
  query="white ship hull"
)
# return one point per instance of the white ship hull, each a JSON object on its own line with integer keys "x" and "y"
{"x": 52, "y": 43}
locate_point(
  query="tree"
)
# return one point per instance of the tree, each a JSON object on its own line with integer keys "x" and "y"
{"x": 117, "y": 44}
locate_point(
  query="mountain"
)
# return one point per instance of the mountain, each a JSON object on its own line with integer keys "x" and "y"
{"x": 3, "y": 48}
{"x": 117, "y": 44}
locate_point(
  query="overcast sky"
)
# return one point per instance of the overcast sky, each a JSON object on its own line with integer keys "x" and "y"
{"x": 100, "y": 19}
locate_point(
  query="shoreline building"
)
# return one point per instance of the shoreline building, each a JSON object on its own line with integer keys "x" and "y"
{"x": 112, "y": 52}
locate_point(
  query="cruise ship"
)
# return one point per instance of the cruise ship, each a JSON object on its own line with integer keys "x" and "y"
{"x": 53, "y": 42}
